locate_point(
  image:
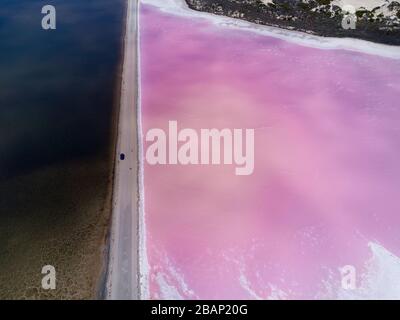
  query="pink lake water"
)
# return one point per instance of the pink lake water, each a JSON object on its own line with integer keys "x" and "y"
{"x": 325, "y": 190}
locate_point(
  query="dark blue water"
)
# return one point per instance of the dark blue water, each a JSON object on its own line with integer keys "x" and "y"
{"x": 57, "y": 98}
{"x": 56, "y": 87}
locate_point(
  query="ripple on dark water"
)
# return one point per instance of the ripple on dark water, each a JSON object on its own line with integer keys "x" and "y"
{"x": 56, "y": 107}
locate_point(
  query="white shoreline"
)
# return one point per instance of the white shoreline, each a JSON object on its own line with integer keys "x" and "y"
{"x": 180, "y": 8}
{"x": 143, "y": 260}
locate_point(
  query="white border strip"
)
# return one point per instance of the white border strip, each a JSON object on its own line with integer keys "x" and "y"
{"x": 143, "y": 260}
